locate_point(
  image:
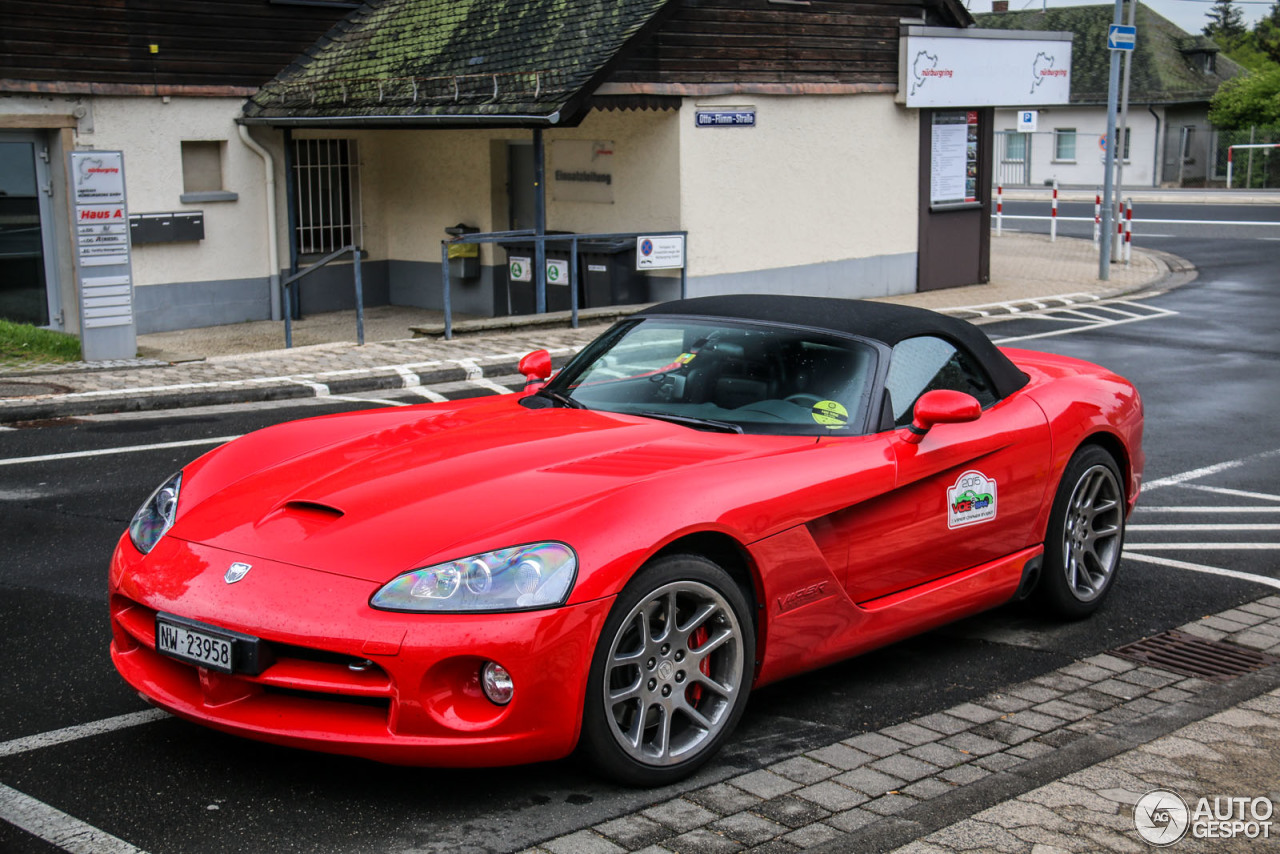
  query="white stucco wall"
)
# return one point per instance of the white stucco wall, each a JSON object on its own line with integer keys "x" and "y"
{"x": 1090, "y": 124}
{"x": 818, "y": 179}
{"x": 150, "y": 131}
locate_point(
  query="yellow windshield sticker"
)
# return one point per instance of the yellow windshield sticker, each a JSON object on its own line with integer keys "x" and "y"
{"x": 831, "y": 414}
{"x": 685, "y": 358}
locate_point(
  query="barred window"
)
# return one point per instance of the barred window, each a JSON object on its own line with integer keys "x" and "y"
{"x": 327, "y": 195}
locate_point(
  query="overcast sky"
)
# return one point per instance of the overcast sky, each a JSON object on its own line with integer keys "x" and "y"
{"x": 1188, "y": 14}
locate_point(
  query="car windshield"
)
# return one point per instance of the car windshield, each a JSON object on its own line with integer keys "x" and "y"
{"x": 725, "y": 375}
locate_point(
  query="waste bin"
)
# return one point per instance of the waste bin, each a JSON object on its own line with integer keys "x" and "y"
{"x": 609, "y": 272}
{"x": 521, "y": 296}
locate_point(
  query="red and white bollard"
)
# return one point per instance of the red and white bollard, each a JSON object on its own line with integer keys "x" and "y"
{"x": 999, "y": 209}
{"x": 1097, "y": 218}
{"x": 1128, "y": 231}
{"x": 1053, "y": 217}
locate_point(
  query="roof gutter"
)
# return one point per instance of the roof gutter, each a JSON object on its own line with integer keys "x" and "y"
{"x": 392, "y": 121}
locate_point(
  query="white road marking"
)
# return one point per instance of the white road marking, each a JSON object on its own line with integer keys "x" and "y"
{"x": 1206, "y": 527}
{"x": 1214, "y": 509}
{"x": 104, "y": 452}
{"x": 1238, "y": 493}
{"x": 368, "y": 400}
{"x": 429, "y": 394}
{"x": 79, "y": 731}
{"x": 1205, "y": 547}
{"x": 57, "y": 828}
{"x": 320, "y": 389}
{"x": 1196, "y": 474}
{"x": 475, "y": 376}
{"x": 1105, "y": 324}
{"x": 1197, "y": 567}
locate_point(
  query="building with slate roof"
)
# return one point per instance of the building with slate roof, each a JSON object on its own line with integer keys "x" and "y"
{"x": 776, "y": 133}
{"x": 1172, "y": 79}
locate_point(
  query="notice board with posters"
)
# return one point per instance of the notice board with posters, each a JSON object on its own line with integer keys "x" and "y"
{"x": 953, "y": 158}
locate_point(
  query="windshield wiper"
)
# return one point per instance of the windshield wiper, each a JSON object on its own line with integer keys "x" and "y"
{"x": 692, "y": 421}
{"x": 557, "y": 397}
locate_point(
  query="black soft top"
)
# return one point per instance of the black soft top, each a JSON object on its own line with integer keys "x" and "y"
{"x": 877, "y": 321}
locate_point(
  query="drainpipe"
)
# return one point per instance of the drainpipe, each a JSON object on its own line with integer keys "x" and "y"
{"x": 1155, "y": 158}
{"x": 273, "y": 247}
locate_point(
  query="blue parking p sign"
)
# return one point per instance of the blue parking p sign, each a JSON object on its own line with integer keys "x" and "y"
{"x": 1122, "y": 38}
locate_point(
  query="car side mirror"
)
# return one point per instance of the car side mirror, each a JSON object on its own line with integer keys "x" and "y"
{"x": 536, "y": 367}
{"x": 941, "y": 406}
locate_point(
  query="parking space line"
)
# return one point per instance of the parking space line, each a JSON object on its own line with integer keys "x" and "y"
{"x": 1238, "y": 493}
{"x": 1262, "y": 526}
{"x": 1198, "y": 567}
{"x": 79, "y": 731}
{"x": 1214, "y": 509}
{"x": 57, "y": 828}
{"x": 104, "y": 452}
{"x": 1206, "y": 547}
{"x": 1196, "y": 474}
{"x": 384, "y": 402}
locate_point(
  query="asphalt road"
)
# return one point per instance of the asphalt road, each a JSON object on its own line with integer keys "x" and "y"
{"x": 1204, "y": 356}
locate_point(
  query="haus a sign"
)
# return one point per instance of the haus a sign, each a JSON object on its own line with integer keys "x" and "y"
{"x": 941, "y": 67}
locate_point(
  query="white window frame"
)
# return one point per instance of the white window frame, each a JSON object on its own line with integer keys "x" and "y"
{"x": 1059, "y": 135}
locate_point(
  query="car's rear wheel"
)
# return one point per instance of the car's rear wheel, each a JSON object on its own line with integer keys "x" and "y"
{"x": 1085, "y": 537}
{"x": 671, "y": 672}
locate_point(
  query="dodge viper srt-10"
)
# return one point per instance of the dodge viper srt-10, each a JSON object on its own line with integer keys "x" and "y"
{"x": 715, "y": 494}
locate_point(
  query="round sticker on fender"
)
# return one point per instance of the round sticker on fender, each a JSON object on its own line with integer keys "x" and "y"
{"x": 971, "y": 500}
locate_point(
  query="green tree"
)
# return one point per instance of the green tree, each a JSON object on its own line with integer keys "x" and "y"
{"x": 1266, "y": 34}
{"x": 1251, "y": 99}
{"x": 1226, "y": 24}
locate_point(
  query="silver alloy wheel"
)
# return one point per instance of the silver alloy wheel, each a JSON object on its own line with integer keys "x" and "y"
{"x": 674, "y": 670}
{"x": 1092, "y": 533}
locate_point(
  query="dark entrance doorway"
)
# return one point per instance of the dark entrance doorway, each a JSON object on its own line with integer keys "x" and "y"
{"x": 25, "y": 292}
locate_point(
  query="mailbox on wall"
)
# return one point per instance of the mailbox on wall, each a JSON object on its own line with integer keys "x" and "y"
{"x": 166, "y": 227}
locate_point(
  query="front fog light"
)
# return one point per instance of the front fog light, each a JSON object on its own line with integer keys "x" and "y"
{"x": 497, "y": 683}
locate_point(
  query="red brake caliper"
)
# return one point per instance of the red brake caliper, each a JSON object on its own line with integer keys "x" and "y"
{"x": 694, "y": 692}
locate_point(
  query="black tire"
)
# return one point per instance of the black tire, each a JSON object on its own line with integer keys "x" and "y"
{"x": 1085, "y": 536}
{"x": 663, "y": 695}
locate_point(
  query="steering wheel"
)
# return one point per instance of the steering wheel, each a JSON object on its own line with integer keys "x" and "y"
{"x": 803, "y": 399}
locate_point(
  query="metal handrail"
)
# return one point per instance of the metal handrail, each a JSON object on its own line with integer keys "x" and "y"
{"x": 540, "y": 281}
{"x": 332, "y": 256}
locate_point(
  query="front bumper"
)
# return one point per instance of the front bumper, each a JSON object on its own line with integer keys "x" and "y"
{"x": 397, "y": 688}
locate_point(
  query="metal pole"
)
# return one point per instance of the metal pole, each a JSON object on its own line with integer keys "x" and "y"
{"x": 359, "y": 299}
{"x": 573, "y": 283}
{"x": 1097, "y": 215}
{"x": 539, "y": 225}
{"x": 1128, "y": 232}
{"x": 288, "y": 319}
{"x": 1124, "y": 117}
{"x": 999, "y": 209}
{"x": 684, "y": 278}
{"x": 1053, "y": 214}
{"x": 290, "y": 191}
{"x": 1113, "y": 85}
{"x": 444, "y": 278}
{"x": 1229, "y": 147}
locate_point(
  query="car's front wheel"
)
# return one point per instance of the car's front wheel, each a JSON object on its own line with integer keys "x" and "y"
{"x": 1085, "y": 536}
{"x": 671, "y": 672}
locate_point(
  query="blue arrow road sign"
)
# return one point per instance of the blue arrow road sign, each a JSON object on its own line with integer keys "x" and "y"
{"x": 1122, "y": 38}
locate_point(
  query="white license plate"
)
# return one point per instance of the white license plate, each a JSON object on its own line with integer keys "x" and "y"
{"x": 197, "y": 647}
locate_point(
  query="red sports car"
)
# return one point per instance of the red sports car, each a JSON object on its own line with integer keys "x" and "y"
{"x": 716, "y": 494}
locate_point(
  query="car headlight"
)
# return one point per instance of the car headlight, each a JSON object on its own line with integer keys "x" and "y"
{"x": 523, "y": 578}
{"x": 156, "y": 515}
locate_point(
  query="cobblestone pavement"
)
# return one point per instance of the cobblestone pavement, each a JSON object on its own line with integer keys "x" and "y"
{"x": 1054, "y": 764}
{"x": 241, "y": 362}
